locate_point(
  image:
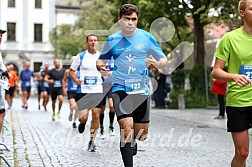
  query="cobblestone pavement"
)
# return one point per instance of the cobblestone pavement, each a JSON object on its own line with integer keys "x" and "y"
{"x": 177, "y": 138}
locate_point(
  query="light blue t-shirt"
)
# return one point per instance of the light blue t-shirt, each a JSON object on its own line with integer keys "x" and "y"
{"x": 129, "y": 55}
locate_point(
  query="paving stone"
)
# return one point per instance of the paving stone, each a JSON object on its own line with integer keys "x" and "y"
{"x": 176, "y": 138}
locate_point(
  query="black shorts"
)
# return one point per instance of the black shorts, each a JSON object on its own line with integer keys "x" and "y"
{"x": 26, "y": 88}
{"x": 56, "y": 92}
{"x": 46, "y": 89}
{"x": 39, "y": 88}
{"x": 2, "y": 111}
{"x": 239, "y": 118}
{"x": 136, "y": 106}
{"x": 10, "y": 91}
{"x": 89, "y": 100}
{"x": 71, "y": 95}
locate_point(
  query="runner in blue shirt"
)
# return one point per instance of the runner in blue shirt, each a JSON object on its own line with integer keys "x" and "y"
{"x": 46, "y": 87}
{"x": 107, "y": 89}
{"x": 26, "y": 75}
{"x": 134, "y": 52}
{"x": 69, "y": 89}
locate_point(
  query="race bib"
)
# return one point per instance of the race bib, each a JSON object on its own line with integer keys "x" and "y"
{"x": 74, "y": 87}
{"x": 137, "y": 86}
{"x": 90, "y": 80}
{"x": 4, "y": 84}
{"x": 46, "y": 84}
{"x": 57, "y": 84}
{"x": 27, "y": 83}
{"x": 246, "y": 70}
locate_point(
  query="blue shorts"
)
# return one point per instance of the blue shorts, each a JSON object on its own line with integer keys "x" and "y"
{"x": 26, "y": 88}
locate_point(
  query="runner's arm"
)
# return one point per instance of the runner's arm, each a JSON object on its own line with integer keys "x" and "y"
{"x": 219, "y": 74}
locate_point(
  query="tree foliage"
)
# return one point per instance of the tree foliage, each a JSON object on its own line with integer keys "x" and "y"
{"x": 71, "y": 39}
{"x": 188, "y": 16}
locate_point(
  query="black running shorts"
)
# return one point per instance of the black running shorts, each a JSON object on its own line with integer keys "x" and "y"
{"x": 89, "y": 100}
{"x": 239, "y": 118}
{"x": 71, "y": 95}
{"x": 133, "y": 105}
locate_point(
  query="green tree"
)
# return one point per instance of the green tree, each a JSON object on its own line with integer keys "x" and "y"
{"x": 181, "y": 12}
{"x": 70, "y": 39}
{"x": 65, "y": 42}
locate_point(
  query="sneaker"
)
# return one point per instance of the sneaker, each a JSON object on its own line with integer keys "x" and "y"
{"x": 44, "y": 105}
{"x": 103, "y": 136}
{"x": 91, "y": 147}
{"x": 220, "y": 117}
{"x": 53, "y": 117}
{"x": 81, "y": 127}
{"x": 58, "y": 115}
{"x": 70, "y": 117}
{"x": 25, "y": 106}
{"x": 111, "y": 131}
{"x": 74, "y": 125}
{"x": 134, "y": 148}
{"x": 102, "y": 130}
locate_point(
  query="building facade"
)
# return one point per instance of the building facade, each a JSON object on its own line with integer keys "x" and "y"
{"x": 28, "y": 24}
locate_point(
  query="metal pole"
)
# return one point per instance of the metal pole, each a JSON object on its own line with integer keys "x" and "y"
{"x": 206, "y": 80}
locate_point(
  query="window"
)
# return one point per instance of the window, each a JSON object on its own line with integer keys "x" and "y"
{"x": 38, "y": 4}
{"x": 37, "y": 32}
{"x": 36, "y": 66}
{"x": 11, "y": 31}
{"x": 11, "y": 3}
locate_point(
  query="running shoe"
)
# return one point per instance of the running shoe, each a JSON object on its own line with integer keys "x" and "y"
{"x": 81, "y": 127}
{"x": 91, "y": 147}
{"x": 74, "y": 125}
{"x": 58, "y": 115}
{"x": 111, "y": 131}
{"x": 219, "y": 117}
{"x": 26, "y": 106}
{"x": 70, "y": 117}
{"x": 102, "y": 130}
{"x": 53, "y": 117}
{"x": 103, "y": 136}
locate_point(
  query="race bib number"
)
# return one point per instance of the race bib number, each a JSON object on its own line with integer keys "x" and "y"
{"x": 246, "y": 70}
{"x": 27, "y": 83}
{"x": 46, "y": 84}
{"x": 90, "y": 80}
{"x": 57, "y": 84}
{"x": 74, "y": 87}
{"x": 137, "y": 86}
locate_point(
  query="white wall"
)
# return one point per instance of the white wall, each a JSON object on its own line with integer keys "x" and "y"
{"x": 25, "y": 16}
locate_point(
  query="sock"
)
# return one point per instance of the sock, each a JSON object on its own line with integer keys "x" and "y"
{"x": 76, "y": 115}
{"x": 101, "y": 119}
{"x": 111, "y": 118}
{"x": 127, "y": 154}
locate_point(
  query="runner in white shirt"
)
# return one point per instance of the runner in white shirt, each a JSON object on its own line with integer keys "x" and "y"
{"x": 89, "y": 90}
